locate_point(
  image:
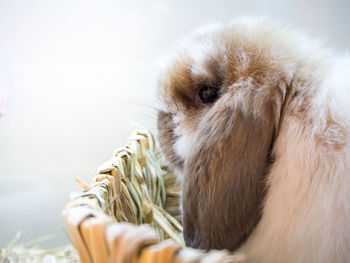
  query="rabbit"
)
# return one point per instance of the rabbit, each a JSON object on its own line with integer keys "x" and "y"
{"x": 254, "y": 118}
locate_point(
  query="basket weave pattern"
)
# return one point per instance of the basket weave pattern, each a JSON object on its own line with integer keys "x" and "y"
{"x": 134, "y": 186}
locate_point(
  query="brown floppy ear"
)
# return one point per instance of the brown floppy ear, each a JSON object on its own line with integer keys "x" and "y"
{"x": 224, "y": 180}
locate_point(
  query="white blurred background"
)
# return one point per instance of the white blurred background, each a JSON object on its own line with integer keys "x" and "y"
{"x": 74, "y": 73}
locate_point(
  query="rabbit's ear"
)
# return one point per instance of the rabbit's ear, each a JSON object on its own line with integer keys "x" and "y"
{"x": 223, "y": 184}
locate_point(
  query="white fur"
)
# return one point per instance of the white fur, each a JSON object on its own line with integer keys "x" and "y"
{"x": 185, "y": 140}
{"x": 307, "y": 211}
{"x": 200, "y": 54}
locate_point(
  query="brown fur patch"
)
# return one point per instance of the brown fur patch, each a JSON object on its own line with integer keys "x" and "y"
{"x": 333, "y": 136}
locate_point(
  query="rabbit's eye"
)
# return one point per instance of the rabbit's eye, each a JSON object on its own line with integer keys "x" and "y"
{"x": 208, "y": 94}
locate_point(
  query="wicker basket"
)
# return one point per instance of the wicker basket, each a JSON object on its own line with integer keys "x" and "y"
{"x": 130, "y": 211}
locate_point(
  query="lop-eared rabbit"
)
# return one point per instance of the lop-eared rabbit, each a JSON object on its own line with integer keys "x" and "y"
{"x": 255, "y": 119}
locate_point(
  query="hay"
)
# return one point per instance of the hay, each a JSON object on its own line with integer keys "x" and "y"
{"x": 30, "y": 252}
{"x": 135, "y": 186}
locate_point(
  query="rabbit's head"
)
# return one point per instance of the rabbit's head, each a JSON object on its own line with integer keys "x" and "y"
{"x": 221, "y": 99}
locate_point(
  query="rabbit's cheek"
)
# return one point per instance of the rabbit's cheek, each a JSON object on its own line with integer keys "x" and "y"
{"x": 167, "y": 138}
{"x": 183, "y": 146}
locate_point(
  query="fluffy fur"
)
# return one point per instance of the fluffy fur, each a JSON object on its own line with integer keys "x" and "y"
{"x": 266, "y": 167}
